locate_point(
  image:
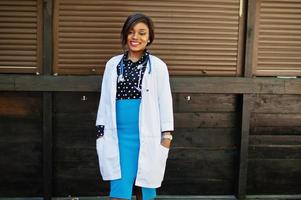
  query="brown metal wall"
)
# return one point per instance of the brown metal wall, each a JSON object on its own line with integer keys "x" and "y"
{"x": 20, "y": 36}
{"x": 198, "y": 37}
{"x": 277, "y": 38}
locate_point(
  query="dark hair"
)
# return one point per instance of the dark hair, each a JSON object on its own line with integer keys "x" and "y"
{"x": 133, "y": 20}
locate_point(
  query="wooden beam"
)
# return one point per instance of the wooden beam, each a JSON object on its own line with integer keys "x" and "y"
{"x": 244, "y": 144}
{"x": 249, "y": 52}
{"x": 241, "y": 189}
{"x": 241, "y": 39}
{"x": 215, "y": 85}
{"x": 47, "y": 100}
{"x": 47, "y": 37}
{"x": 47, "y": 145}
{"x": 7, "y": 83}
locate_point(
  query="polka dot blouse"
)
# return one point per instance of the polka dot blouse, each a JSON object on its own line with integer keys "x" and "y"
{"x": 130, "y": 87}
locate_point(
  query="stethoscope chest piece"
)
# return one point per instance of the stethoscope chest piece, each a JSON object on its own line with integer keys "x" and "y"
{"x": 120, "y": 78}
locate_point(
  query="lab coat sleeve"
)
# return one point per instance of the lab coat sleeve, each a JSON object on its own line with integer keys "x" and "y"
{"x": 100, "y": 119}
{"x": 165, "y": 100}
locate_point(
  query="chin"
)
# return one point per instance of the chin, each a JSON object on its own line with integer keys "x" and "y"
{"x": 136, "y": 50}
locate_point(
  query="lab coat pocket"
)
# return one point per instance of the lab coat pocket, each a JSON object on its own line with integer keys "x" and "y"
{"x": 108, "y": 156}
{"x": 162, "y": 160}
{"x": 99, "y": 149}
{"x": 164, "y": 152}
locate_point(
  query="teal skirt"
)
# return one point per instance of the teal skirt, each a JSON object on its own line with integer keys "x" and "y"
{"x": 127, "y": 118}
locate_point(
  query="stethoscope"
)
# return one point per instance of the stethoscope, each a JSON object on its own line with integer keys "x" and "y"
{"x": 121, "y": 74}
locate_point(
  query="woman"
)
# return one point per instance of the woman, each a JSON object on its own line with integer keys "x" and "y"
{"x": 135, "y": 115}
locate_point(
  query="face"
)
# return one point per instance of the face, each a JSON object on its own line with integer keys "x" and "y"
{"x": 138, "y": 38}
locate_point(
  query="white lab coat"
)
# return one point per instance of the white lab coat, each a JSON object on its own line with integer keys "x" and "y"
{"x": 155, "y": 116}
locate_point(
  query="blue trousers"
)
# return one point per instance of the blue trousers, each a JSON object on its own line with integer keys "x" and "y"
{"x": 127, "y": 118}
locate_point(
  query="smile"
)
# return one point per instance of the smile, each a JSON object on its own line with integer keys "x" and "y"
{"x": 134, "y": 43}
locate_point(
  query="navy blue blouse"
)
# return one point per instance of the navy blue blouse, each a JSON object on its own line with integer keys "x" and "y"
{"x": 130, "y": 87}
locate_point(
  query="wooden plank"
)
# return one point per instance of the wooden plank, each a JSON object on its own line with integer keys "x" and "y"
{"x": 244, "y": 142}
{"x": 274, "y": 176}
{"x": 76, "y": 102}
{"x": 205, "y": 120}
{"x": 190, "y": 102}
{"x": 23, "y": 151}
{"x": 211, "y": 85}
{"x": 250, "y": 34}
{"x": 202, "y": 187}
{"x": 219, "y": 138}
{"x": 211, "y": 171}
{"x": 176, "y": 197}
{"x": 275, "y": 152}
{"x": 163, "y": 197}
{"x": 274, "y": 197}
{"x": 242, "y": 37}
{"x": 27, "y": 105}
{"x": 276, "y": 120}
{"x": 69, "y": 187}
{"x": 29, "y": 128}
{"x": 7, "y": 83}
{"x": 279, "y": 130}
{"x": 78, "y": 121}
{"x": 57, "y": 83}
{"x": 203, "y": 154}
{"x": 17, "y": 188}
{"x": 20, "y": 144}
{"x": 275, "y": 140}
{"x": 73, "y": 178}
{"x": 267, "y": 103}
{"x": 214, "y": 85}
{"x": 47, "y": 145}
{"x": 80, "y": 154}
{"x": 291, "y": 86}
{"x": 47, "y": 37}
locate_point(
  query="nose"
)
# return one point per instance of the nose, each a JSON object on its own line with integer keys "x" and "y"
{"x": 135, "y": 35}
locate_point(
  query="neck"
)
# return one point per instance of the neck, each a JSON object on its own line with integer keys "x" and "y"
{"x": 134, "y": 56}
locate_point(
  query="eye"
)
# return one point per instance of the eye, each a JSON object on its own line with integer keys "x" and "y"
{"x": 142, "y": 33}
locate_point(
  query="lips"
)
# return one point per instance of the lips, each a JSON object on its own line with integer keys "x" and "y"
{"x": 134, "y": 43}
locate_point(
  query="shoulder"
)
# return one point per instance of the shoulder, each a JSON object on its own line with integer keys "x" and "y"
{"x": 157, "y": 61}
{"x": 114, "y": 60}
{"x": 158, "y": 65}
{"x": 112, "y": 63}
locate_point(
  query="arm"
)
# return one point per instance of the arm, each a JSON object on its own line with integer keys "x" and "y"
{"x": 165, "y": 107}
{"x": 100, "y": 120}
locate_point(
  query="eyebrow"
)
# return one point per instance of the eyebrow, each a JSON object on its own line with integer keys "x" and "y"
{"x": 142, "y": 29}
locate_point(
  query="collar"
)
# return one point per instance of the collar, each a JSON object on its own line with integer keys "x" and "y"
{"x": 143, "y": 60}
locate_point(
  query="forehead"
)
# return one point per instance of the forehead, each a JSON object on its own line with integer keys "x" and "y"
{"x": 140, "y": 26}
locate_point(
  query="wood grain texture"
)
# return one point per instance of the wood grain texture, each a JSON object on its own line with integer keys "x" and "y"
{"x": 203, "y": 154}
{"x": 275, "y": 145}
{"x": 20, "y": 144}
{"x": 179, "y": 84}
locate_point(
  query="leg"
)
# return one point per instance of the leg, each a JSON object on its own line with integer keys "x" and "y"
{"x": 138, "y": 192}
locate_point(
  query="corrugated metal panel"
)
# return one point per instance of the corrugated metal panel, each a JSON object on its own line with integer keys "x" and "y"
{"x": 198, "y": 37}
{"x": 278, "y": 38}
{"x": 20, "y": 36}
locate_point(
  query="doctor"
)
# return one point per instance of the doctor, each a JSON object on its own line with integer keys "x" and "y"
{"x": 135, "y": 115}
